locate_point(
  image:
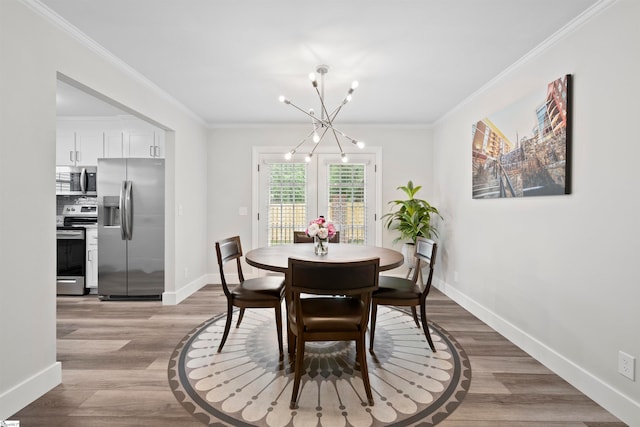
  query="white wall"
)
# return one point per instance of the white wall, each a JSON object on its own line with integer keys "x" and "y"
{"x": 406, "y": 152}
{"x": 32, "y": 51}
{"x": 558, "y": 275}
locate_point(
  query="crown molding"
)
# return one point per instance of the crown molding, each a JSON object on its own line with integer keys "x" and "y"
{"x": 65, "y": 26}
{"x": 272, "y": 125}
{"x": 570, "y": 28}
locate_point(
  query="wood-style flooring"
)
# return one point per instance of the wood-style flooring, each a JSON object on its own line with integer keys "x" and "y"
{"x": 115, "y": 354}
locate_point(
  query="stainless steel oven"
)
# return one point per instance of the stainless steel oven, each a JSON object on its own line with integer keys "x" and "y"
{"x": 72, "y": 248}
{"x": 71, "y": 255}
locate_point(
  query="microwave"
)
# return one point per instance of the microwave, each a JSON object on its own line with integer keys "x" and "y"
{"x": 76, "y": 180}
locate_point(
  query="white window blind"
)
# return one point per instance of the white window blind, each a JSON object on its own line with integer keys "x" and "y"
{"x": 287, "y": 210}
{"x": 347, "y": 201}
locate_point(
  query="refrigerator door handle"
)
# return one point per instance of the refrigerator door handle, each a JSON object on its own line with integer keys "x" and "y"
{"x": 121, "y": 208}
{"x": 128, "y": 203}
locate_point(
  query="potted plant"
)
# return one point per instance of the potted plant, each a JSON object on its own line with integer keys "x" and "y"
{"x": 412, "y": 218}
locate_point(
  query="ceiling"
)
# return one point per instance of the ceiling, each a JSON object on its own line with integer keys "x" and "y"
{"x": 228, "y": 61}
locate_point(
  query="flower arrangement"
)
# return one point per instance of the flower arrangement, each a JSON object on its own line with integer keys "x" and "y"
{"x": 321, "y": 229}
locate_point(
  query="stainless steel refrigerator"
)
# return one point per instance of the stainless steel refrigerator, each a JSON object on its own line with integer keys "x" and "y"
{"x": 130, "y": 228}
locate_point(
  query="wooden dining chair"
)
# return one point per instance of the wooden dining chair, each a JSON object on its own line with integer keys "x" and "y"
{"x": 322, "y": 316}
{"x": 259, "y": 292}
{"x": 301, "y": 237}
{"x": 398, "y": 291}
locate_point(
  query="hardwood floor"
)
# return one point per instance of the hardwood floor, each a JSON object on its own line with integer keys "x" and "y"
{"x": 115, "y": 354}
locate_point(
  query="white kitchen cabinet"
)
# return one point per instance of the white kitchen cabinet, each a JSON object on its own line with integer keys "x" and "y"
{"x": 65, "y": 148}
{"x": 89, "y": 146}
{"x": 91, "y": 274}
{"x": 144, "y": 143}
{"x": 114, "y": 144}
{"x": 78, "y": 148}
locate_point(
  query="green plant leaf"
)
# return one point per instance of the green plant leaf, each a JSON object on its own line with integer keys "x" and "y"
{"x": 412, "y": 217}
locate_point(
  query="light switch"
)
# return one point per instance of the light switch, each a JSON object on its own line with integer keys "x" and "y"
{"x": 242, "y": 211}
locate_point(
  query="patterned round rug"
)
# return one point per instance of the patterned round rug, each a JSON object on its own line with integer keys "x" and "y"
{"x": 247, "y": 385}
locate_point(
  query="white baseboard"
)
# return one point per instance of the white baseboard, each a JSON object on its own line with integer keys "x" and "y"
{"x": 176, "y": 297}
{"x": 16, "y": 398}
{"x": 612, "y": 400}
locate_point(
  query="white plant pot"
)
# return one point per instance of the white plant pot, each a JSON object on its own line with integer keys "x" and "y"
{"x": 408, "y": 251}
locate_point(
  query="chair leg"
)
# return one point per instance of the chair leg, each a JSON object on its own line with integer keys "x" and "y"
{"x": 364, "y": 370}
{"x": 298, "y": 372}
{"x": 415, "y": 315}
{"x": 425, "y": 327}
{"x": 279, "y": 327}
{"x": 372, "y": 332}
{"x": 409, "y": 272}
{"x": 227, "y": 326}
{"x": 240, "y": 317}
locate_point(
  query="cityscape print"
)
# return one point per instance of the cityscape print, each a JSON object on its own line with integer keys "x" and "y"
{"x": 524, "y": 150}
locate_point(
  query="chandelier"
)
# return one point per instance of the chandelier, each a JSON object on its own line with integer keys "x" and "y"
{"x": 324, "y": 123}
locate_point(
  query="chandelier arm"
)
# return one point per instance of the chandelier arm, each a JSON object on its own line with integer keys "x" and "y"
{"x": 318, "y": 144}
{"x": 335, "y": 112}
{"x": 303, "y": 140}
{"x": 329, "y": 124}
{"x": 344, "y": 102}
{"x": 328, "y": 120}
{"x": 303, "y": 111}
{"x": 324, "y": 131}
{"x": 315, "y": 146}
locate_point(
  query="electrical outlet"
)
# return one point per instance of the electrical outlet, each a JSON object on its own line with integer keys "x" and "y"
{"x": 627, "y": 365}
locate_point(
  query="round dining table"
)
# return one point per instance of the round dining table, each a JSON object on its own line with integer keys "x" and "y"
{"x": 276, "y": 258}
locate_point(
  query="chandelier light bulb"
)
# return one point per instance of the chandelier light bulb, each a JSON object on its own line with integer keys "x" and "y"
{"x": 288, "y": 155}
{"x": 355, "y": 84}
{"x": 308, "y": 157}
{"x": 314, "y": 80}
{"x": 360, "y": 144}
{"x": 348, "y": 98}
{"x": 344, "y": 157}
{"x": 281, "y": 98}
{"x": 316, "y": 137}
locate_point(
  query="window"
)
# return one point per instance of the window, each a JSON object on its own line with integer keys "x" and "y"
{"x": 290, "y": 194}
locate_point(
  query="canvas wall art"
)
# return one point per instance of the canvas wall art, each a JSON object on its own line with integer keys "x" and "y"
{"x": 524, "y": 149}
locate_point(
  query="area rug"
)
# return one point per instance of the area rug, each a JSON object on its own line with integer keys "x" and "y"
{"x": 248, "y": 385}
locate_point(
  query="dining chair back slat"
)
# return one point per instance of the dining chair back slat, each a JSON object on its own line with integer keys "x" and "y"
{"x": 301, "y": 237}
